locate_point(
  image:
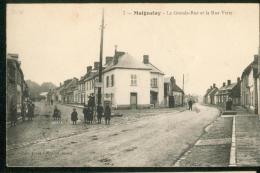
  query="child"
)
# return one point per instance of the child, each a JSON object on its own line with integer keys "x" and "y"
{"x": 74, "y": 116}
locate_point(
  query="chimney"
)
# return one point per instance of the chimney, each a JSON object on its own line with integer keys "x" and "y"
{"x": 210, "y": 87}
{"x": 117, "y": 55}
{"x": 238, "y": 80}
{"x": 96, "y": 65}
{"x": 89, "y": 68}
{"x": 224, "y": 84}
{"x": 146, "y": 59}
{"x": 60, "y": 84}
{"x": 109, "y": 59}
{"x": 214, "y": 85}
{"x": 255, "y": 58}
{"x": 228, "y": 82}
{"x": 173, "y": 81}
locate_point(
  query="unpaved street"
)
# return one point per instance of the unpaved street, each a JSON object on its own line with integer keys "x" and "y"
{"x": 157, "y": 140}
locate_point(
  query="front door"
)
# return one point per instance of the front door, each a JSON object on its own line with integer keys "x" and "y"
{"x": 133, "y": 100}
{"x": 171, "y": 101}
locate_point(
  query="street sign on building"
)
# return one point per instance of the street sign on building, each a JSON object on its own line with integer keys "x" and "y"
{"x": 98, "y": 84}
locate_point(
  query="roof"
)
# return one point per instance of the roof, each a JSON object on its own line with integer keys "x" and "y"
{"x": 253, "y": 65}
{"x": 208, "y": 91}
{"x": 213, "y": 91}
{"x": 176, "y": 88}
{"x": 44, "y": 94}
{"x": 126, "y": 61}
{"x": 154, "y": 69}
{"x": 167, "y": 80}
{"x": 228, "y": 87}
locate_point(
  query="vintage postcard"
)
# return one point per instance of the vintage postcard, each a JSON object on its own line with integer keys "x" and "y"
{"x": 132, "y": 85}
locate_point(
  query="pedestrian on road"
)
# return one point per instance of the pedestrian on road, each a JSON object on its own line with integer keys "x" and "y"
{"x": 23, "y": 111}
{"x": 90, "y": 115}
{"x": 85, "y": 113}
{"x": 30, "y": 111}
{"x": 100, "y": 111}
{"x": 74, "y": 116}
{"x": 107, "y": 114}
{"x": 55, "y": 113}
{"x": 190, "y": 104}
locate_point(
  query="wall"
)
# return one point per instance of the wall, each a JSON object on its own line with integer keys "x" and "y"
{"x": 160, "y": 88}
{"x": 124, "y": 88}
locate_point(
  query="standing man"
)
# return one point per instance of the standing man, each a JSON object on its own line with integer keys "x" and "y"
{"x": 107, "y": 114}
{"x": 190, "y": 104}
{"x": 100, "y": 111}
{"x": 85, "y": 113}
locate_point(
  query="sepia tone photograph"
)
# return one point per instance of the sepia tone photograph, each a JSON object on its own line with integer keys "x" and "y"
{"x": 132, "y": 85}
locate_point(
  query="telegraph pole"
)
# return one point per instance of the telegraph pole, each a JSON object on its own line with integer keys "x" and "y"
{"x": 100, "y": 59}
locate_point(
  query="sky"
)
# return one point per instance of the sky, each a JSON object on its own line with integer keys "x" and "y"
{"x": 208, "y": 43}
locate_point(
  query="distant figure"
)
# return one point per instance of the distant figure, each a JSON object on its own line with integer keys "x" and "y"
{"x": 107, "y": 114}
{"x": 30, "y": 111}
{"x": 23, "y": 111}
{"x": 56, "y": 114}
{"x": 74, "y": 116}
{"x": 229, "y": 105}
{"x": 90, "y": 115}
{"x": 190, "y": 105}
{"x": 51, "y": 102}
{"x": 100, "y": 111}
{"x": 85, "y": 113}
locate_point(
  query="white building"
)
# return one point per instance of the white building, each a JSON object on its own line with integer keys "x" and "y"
{"x": 126, "y": 82}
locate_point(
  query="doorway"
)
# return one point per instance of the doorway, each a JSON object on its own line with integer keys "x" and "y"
{"x": 133, "y": 100}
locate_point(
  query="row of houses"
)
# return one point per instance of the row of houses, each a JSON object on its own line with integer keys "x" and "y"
{"x": 127, "y": 83}
{"x": 243, "y": 92}
{"x": 17, "y": 91}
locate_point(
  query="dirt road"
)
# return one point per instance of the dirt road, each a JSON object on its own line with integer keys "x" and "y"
{"x": 157, "y": 140}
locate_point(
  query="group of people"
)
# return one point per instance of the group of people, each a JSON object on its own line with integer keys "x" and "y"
{"x": 89, "y": 114}
{"x": 27, "y": 110}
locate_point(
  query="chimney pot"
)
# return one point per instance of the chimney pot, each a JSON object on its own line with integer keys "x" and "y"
{"x": 224, "y": 84}
{"x": 238, "y": 79}
{"x": 146, "y": 59}
{"x": 255, "y": 58}
{"x": 89, "y": 68}
{"x": 109, "y": 59}
{"x": 96, "y": 65}
{"x": 214, "y": 85}
{"x": 228, "y": 82}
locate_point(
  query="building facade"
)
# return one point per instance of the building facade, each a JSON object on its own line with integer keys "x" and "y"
{"x": 173, "y": 94}
{"x": 17, "y": 91}
{"x": 249, "y": 91}
{"x": 230, "y": 91}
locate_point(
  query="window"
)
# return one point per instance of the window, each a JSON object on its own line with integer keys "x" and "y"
{"x": 107, "y": 81}
{"x": 154, "y": 83}
{"x": 112, "y": 80}
{"x": 133, "y": 80}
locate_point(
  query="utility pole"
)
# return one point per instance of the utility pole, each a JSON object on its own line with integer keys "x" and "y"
{"x": 183, "y": 90}
{"x": 100, "y": 59}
